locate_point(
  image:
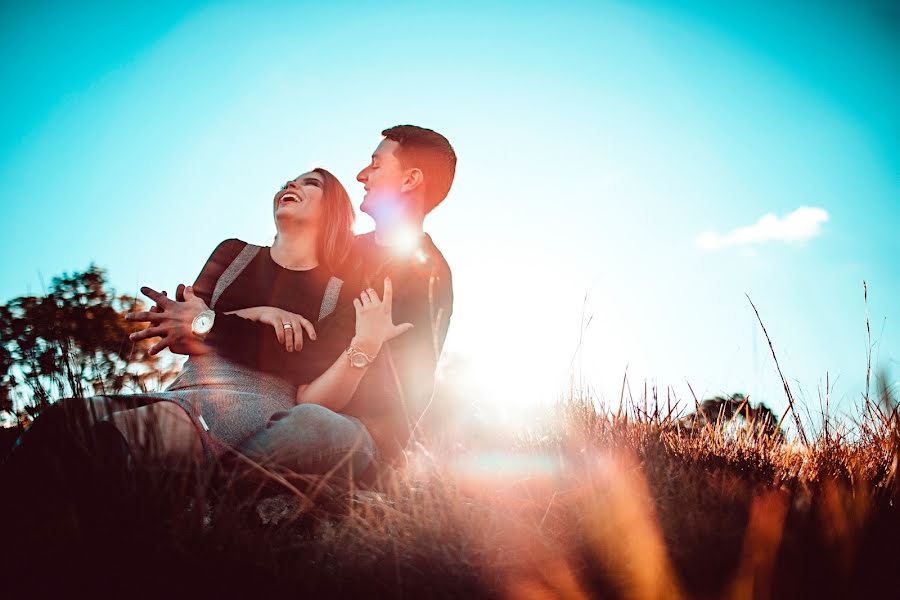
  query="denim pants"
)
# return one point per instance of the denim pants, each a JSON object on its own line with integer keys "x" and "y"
{"x": 312, "y": 439}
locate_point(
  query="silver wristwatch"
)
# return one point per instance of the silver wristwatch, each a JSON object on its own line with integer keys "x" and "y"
{"x": 202, "y": 323}
{"x": 358, "y": 358}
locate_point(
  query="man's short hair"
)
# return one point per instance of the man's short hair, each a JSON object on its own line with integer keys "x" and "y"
{"x": 430, "y": 152}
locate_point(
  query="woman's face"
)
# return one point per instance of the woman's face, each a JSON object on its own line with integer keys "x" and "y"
{"x": 300, "y": 200}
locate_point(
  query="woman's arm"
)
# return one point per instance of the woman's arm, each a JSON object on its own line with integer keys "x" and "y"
{"x": 215, "y": 265}
{"x": 245, "y": 336}
{"x": 288, "y": 326}
{"x": 374, "y": 326}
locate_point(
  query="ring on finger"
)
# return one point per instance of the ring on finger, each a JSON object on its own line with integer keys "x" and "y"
{"x": 287, "y": 325}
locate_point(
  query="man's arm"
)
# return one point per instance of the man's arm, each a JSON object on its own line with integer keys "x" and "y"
{"x": 171, "y": 321}
{"x": 240, "y": 338}
{"x": 428, "y": 296}
{"x": 441, "y": 305}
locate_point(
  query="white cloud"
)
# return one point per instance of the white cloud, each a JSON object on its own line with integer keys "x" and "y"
{"x": 803, "y": 224}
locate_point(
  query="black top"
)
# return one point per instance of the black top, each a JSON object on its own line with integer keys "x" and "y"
{"x": 265, "y": 283}
{"x": 398, "y": 386}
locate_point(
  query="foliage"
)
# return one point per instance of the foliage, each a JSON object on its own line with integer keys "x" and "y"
{"x": 73, "y": 341}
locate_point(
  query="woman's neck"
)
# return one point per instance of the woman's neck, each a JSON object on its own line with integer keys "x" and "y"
{"x": 295, "y": 249}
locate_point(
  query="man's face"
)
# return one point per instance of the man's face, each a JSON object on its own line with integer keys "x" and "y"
{"x": 383, "y": 180}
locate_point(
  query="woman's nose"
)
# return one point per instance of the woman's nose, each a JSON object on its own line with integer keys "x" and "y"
{"x": 290, "y": 185}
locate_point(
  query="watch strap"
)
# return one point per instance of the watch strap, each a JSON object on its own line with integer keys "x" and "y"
{"x": 353, "y": 351}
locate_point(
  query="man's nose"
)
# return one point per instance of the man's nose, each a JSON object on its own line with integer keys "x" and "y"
{"x": 363, "y": 175}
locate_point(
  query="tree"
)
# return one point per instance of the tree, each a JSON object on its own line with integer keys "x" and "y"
{"x": 726, "y": 409}
{"x": 73, "y": 342}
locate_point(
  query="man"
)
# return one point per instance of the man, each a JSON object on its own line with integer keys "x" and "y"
{"x": 410, "y": 174}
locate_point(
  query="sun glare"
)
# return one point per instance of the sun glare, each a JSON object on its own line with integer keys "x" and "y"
{"x": 406, "y": 243}
{"x": 521, "y": 359}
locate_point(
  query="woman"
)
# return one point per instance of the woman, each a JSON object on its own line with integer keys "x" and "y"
{"x": 219, "y": 402}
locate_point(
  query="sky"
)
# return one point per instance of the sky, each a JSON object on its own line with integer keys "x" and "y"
{"x": 630, "y": 175}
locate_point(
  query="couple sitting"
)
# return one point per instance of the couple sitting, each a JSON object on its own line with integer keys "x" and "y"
{"x": 317, "y": 353}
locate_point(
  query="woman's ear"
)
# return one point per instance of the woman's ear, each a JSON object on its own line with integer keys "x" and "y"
{"x": 412, "y": 180}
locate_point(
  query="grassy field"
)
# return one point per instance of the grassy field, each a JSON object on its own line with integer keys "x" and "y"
{"x": 594, "y": 504}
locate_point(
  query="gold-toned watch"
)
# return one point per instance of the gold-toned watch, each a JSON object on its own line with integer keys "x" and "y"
{"x": 358, "y": 358}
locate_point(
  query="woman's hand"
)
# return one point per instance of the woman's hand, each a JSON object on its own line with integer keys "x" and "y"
{"x": 288, "y": 326}
{"x": 374, "y": 322}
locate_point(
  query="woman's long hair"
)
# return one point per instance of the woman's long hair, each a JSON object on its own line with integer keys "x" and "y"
{"x": 336, "y": 224}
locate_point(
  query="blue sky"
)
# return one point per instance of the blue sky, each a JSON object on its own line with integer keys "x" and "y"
{"x": 615, "y": 159}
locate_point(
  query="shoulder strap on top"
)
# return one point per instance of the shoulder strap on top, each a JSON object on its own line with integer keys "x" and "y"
{"x": 330, "y": 298}
{"x": 231, "y": 273}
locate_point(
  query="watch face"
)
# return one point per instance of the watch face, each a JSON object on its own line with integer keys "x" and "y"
{"x": 359, "y": 360}
{"x": 203, "y": 323}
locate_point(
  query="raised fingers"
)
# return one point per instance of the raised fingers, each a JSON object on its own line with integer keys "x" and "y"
{"x": 160, "y": 299}
{"x": 388, "y": 292}
{"x": 369, "y": 296}
{"x": 155, "y": 308}
{"x": 153, "y": 317}
{"x": 159, "y": 346}
{"x": 147, "y": 333}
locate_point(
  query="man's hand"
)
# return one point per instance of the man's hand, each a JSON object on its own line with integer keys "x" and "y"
{"x": 171, "y": 320}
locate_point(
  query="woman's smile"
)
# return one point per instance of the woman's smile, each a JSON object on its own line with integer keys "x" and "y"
{"x": 290, "y": 196}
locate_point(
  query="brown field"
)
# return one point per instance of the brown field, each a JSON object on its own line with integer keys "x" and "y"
{"x": 596, "y": 504}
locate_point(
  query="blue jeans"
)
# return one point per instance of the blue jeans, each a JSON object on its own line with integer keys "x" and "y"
{"x": 311, "y": 439}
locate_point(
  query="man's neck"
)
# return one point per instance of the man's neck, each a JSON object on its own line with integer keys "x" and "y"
{"x": 398, "y": 233}
{"x": 295, "y": 248}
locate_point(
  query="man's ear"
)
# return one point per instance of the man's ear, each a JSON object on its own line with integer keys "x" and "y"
{"x": 413, "y": 179}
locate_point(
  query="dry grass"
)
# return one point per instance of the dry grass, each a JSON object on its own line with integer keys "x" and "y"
{"x": 594, "y": 505}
